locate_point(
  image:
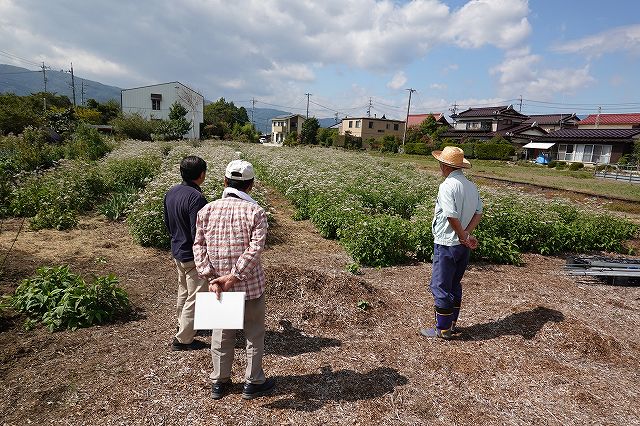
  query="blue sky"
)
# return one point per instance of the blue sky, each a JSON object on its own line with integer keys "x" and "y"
{"x": 558, "y": 56}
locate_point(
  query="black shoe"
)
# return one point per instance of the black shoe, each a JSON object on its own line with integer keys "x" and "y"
{"x": 252, "y": 390}
{"x": 203, "y": 333}
{"x": 193, "y": 346}
{"x": 220, "y": 389}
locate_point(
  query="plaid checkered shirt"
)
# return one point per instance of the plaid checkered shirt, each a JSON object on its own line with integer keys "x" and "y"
{"x": 230, "y": 237}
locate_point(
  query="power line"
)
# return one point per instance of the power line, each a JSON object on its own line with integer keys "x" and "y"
{"x": 18, "y": 58}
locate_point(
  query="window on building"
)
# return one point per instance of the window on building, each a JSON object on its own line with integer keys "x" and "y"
{"x": 371, "y": 124}
{"x": 350, "y": 124}
{"x": 396, "y": 126}
{"x": 387, "y": 126}
{"x": 565, "y": 152}
{"x": 155, "y": 101}
{"x": 357, "y": 124}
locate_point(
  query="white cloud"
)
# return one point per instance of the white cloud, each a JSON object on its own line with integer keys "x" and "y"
{"x": 298, "y": 72}
{"x": 497, "y": 22}
{"x": 522, "y": 75}
{"x": 438, "y": 86}
{"x": 625, "y": 38}
{"x": 449, "y": 68}
{"x": 398, "y": 81}
{"x": 251, "y": 47}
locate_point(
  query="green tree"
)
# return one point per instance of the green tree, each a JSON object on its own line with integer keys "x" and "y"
{"x": 327, "y": 137}
{"x": 220, "y": 117}
{"x": 309, "y": 131}
{"x": 177, "y": 111}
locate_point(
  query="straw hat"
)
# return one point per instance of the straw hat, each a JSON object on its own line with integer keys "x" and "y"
{"x": 452, "y": 156}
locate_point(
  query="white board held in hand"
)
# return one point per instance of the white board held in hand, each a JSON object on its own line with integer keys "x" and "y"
{"x": 226, "y": 313}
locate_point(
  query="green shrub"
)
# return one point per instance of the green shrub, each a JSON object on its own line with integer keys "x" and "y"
{"x": 418, "y": 148}
{"x": 118, "y": 204}
{"x": 121, "y": 175}
{"x": 551, "y": 164}
{"x": 377, "y": 241}
{"x": 469, "y": 149}
{"x": 575, "y": 166}
{"x": 488, "y": 151}
{"x": 60, "y": 299}
{"x": 135, "y": 126}
{"x": 561, "y": 165}
{"x": 389, "y": 143}
{"x": 86, "y": 143}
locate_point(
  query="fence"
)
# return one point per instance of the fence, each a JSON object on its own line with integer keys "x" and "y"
{"x": 620, "y": 173}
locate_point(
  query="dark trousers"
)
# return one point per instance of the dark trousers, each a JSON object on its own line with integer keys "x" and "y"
{"x": 449, "y": 264}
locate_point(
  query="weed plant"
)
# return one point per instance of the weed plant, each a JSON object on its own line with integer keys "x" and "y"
{"x": 60, "y": 299}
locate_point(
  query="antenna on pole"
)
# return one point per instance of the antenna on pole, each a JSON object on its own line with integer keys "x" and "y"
{"x": 308, "y": 94}
{"x": 406, "y": 122}
{"x": 369, "y": 108}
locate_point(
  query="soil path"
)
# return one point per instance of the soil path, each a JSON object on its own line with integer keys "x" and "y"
{"x": 537, "y": 347}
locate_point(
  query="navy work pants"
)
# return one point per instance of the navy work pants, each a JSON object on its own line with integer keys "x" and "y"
{"x": 449, "y": 264}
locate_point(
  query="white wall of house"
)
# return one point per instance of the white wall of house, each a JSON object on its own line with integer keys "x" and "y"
{"x": 154, "y": 102}
{"x": 585, "y": 153}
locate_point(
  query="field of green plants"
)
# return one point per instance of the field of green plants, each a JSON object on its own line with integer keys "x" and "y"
{"x": 380, "y": 211}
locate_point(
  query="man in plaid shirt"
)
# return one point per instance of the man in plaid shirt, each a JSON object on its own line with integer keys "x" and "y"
{"x": 230, "y": 237}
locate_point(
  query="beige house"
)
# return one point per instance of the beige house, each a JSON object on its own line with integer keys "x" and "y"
{"x": 368, "y": 128}
{"x": 282, "y": 125}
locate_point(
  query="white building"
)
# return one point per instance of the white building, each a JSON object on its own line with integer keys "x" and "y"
{"x": 154, "y": 102}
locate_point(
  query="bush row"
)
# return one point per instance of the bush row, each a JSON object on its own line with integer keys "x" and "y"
{"x": 382, "y": 214}
{"x": 55, "y": 198}
{"x": 481, "y": 151}
{"x": 146, "y": 220}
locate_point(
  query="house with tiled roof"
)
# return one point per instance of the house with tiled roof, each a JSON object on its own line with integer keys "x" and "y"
{"x": 486, "y": 123}
{"x": 417, "y": 119}
{"x": 591, "y": 146}
{"x": 611, "y": 121}
{"x": 552, "y": 122}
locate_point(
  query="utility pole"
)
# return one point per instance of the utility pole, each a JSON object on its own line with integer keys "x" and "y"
{"x": 336, "y": 114}
{"x": 369, "y": 109}
{"x": 253, "y": 107}
{"x": 520, "y": 109}
{"x": 598, "y": 117}
{"x": 454, "y": 109}
{"x": 73, "y": 85}
{"x": 44, "y": 78}
{"x": 404, "y": 136}
{"x": 308, "y": 94}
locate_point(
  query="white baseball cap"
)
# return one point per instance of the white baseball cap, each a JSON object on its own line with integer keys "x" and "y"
{"x": 239, "y": 170}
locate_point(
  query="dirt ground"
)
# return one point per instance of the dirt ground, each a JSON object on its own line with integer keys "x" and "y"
{"x": 537, "y": 347}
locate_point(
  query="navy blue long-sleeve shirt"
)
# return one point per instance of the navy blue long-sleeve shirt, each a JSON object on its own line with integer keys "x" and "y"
{"x": 181, "y": 206}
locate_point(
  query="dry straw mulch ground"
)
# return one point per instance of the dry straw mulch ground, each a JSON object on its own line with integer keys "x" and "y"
{"x": 537, "y": 347}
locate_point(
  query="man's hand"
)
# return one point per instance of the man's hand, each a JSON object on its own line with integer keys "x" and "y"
{"x": 223, "y": 283}
{"x": 471, "y": 242}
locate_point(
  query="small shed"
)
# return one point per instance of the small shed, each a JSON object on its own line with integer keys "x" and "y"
{"x": 540, "y": 151}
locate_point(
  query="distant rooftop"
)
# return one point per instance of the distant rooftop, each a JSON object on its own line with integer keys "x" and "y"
{"x": 631, "y": 118}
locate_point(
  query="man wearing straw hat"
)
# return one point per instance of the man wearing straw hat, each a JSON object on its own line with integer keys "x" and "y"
{"x": 457, "y": 213}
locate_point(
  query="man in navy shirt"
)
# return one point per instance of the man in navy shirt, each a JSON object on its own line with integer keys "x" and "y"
{"x": 181, "y": 206}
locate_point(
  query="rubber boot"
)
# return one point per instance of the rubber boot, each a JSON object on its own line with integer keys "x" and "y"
{"x": 442, "y": 329}
{"x": 456, "y": 313}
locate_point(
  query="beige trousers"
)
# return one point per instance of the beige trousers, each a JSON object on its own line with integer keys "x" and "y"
{"x": 223, "y": 343}
{"x": 189, "y": 283}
